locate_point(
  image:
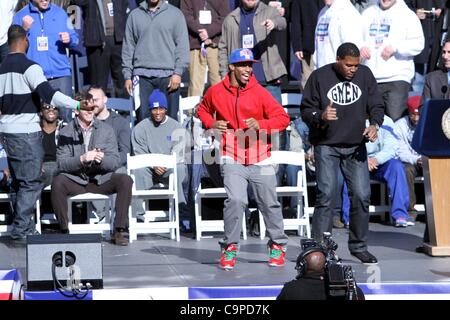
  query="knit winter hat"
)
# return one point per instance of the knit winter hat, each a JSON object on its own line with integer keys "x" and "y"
{"x": 414, "y": 103}
{"x": 157, "y": 100}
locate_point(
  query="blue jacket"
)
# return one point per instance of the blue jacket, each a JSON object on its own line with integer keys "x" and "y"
{"x": 54, "y": 62}
{"x": 386, "y": 146}
{"x": 405, "y": 131}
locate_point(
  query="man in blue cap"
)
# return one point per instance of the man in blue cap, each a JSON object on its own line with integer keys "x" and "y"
{"x": 159, "y": 134}
{"x": 245, "y": 115}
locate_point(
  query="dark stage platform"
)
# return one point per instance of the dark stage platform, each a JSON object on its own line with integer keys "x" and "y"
{"x": 154, "y": 265}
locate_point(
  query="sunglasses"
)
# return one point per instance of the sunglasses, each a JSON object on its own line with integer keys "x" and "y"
{"x": 48, "y": 107}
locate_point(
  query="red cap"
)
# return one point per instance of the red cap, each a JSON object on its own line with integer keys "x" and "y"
{"x": 414, "y": 103}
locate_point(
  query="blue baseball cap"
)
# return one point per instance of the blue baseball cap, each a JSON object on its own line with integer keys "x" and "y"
{"x": 241, "y": 55}
{"x": 157, "y": 100}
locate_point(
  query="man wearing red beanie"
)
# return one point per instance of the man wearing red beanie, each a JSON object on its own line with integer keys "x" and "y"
{"x": 412, "y": 161}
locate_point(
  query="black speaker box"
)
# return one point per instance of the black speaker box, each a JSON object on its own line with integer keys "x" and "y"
{"x": 84, "y": 251}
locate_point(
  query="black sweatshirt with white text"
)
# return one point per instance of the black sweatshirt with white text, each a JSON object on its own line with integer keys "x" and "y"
{"x": 353, "y": 99}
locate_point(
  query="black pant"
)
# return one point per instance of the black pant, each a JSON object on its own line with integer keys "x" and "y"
{"x": 146, "y": 87}
{"x": 412, "y": 171}
{"x": 395, "y": 96}
{"x": 63, "y": 187}
{"x": 102, "y": 60}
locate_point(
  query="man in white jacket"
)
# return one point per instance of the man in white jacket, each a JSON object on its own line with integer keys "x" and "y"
{"x": 392, "y": 37}
{"x": 338, "y": 22}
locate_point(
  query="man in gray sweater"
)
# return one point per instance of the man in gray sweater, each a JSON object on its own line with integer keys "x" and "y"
{"x": 156, "y": 49}
{"x": 159, "y": 134}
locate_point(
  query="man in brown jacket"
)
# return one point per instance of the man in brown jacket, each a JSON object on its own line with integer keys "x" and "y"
{"x": 253, "y": 26}
{"x": 204, "y": 21}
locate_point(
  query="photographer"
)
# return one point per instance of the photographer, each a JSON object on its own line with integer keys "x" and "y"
{"x": 314, "y": 280}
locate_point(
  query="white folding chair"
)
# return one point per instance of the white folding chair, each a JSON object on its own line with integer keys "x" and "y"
{"x": 46, "y": 217}
{"x": 291, "y": 103}
{"x": 187, "y": 103}
{"x": 211, "y": 225}
{"x": 93, "y": 225}
{"x": 171, "y": 194}
{"x": 291, "y": 99}
{"x": 300, "y": 191}
{"x": 5, "y": 229}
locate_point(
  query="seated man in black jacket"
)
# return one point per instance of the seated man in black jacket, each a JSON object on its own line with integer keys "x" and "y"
{"x": 87, "y": 157}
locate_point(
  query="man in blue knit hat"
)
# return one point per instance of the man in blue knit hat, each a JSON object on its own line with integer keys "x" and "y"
{"x": 159, "y": 134}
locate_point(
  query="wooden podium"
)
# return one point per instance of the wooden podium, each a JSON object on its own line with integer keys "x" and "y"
{"x": 436, "y": 172}
{"x": 430, "y": 141}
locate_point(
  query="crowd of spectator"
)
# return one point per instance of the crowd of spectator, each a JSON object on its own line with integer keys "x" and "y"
{"x": 146, "y": 46}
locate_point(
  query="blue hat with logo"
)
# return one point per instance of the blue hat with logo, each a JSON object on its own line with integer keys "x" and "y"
{"x": 157, "y": 100}
{"x": 241, "y": 55}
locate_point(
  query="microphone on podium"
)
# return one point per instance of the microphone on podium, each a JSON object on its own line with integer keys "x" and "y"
{"x": 444, "y": 90}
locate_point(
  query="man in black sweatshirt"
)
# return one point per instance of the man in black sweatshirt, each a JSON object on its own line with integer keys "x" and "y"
{"x": 336, "y": 101}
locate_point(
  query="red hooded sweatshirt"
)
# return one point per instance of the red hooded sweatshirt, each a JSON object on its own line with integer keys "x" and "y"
{"x": 236, "y": 105}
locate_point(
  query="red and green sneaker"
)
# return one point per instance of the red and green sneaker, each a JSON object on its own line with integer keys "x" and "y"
{"x": 228, "y": 257}
{"x": 276, "y": 255}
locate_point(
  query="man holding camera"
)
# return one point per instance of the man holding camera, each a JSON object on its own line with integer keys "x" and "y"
{"x": 311, "y": 285}
{"x": 313, "y": 278}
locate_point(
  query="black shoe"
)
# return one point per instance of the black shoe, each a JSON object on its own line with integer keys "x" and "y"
{"x": 118, "y": 239}
{"x": 22, "y": 237}
{"x": 413, "y": 214}
{"x": 420, "y": 249}
{"x": 366, "y": 257}
{"x": 18, "y": 236}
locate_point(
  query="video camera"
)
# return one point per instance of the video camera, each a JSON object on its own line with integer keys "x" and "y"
{"x": 339, "y": 280}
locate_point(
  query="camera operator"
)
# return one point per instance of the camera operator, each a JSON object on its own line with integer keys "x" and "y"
{"x": 308, "y": 286}
{"x": 313, "y": 278}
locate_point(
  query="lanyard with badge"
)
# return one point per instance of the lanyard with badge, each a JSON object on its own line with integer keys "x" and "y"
{"x": 248, "y": 41}
{"x": 42, "y": 41}
{"x": 204, "y": 16}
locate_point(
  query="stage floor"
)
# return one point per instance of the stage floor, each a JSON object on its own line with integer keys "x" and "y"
{"x": 155, "y": 261}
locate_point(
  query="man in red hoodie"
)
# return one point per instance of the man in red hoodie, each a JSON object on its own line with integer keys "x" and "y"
{"x": 246, "y": 115}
